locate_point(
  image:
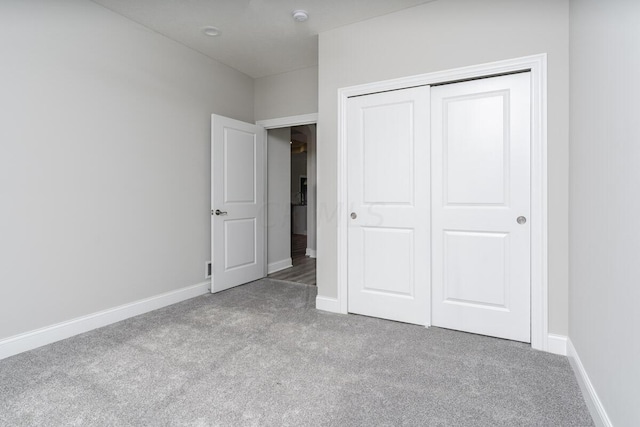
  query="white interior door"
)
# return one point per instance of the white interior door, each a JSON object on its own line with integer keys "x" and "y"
{"x": 237, "y": 202}
{"x": 388, "y": 193}
{"x": 481, "y": 206}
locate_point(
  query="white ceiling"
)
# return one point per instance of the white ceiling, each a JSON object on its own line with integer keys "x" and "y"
{"x": 258, "y": 37}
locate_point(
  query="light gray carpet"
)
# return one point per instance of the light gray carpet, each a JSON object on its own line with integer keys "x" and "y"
{"x": 261, "y": 355}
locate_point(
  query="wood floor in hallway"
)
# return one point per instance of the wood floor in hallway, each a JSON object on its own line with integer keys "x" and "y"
{"x": 304, "y": 267}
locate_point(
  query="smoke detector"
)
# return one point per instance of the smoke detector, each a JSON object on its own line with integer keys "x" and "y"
{"x": 300, "y": 15}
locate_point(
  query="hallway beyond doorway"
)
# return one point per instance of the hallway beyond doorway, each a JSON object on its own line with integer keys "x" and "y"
{"x": 304, "y": 267}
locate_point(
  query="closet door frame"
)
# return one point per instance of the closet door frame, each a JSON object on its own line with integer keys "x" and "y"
{"x": 537, "y": 65}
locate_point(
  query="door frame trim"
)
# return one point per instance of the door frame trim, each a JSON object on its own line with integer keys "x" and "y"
{"x": 285, "y": 122}
{"x": 280, "y": 122}
{"x": 537, "y": 65}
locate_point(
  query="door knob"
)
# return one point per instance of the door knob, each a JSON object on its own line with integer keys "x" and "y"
{"x": 354, "y": 215}
{"x": 521, "y": 220}
{"x": 219, "y": 212}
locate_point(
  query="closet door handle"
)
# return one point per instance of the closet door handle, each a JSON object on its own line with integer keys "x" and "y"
{"x": 219, "y": 212}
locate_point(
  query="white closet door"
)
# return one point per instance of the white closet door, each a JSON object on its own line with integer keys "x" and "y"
{"x": 481, "y": 205}
{"x": 388, "y": 192}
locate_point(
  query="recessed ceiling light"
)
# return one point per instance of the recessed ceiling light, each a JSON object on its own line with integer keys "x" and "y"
{"x": 211, "y": 31}
{"x": 300, "y": 15}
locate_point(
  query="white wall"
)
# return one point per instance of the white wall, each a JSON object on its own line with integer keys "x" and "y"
{"x": 104, "y": 160}
{"x": 287, "y": 94}
{"x": 311, "y": 190}
{"x": 439, "y": 36}
{"x": 279, "y": 208}
{"x": 605, "y": 180}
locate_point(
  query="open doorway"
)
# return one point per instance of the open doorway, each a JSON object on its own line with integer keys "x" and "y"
{"x": 291, "y": 192}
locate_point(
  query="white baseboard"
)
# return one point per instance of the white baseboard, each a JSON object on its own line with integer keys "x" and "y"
{"x": 599, "y": 415}
{"x": 311, "y": 253}
{"x": 49, "y": 334}
{"x": 279, "y": 265}
{"x": 557, "y": 344}
{"x": 327, "y": 304}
